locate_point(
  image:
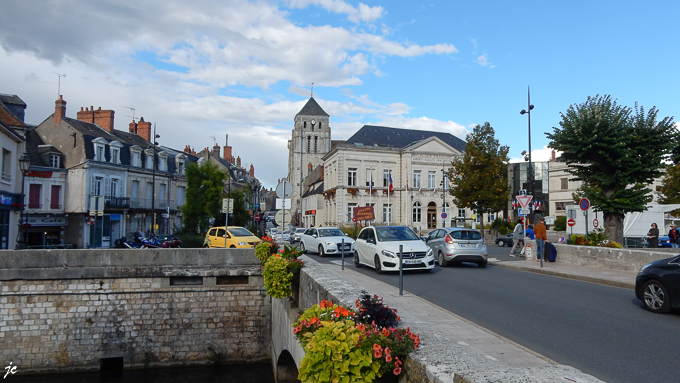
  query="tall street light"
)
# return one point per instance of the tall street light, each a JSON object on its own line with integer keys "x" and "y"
{"x": 24, "y": 163}
{"x": 153, "y": 180}
{"x": 530, "y": 172}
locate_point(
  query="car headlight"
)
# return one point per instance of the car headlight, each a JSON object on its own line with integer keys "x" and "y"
{"x": 429, "y": 252}
{"x": 330, "y": 244}
{"x": 645, "y": 266}
{"x": 389, "y": 254}
{"x": 242, "y": 243}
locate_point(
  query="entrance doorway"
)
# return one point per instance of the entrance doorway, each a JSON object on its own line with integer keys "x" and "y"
{"x": 431, "y": 215}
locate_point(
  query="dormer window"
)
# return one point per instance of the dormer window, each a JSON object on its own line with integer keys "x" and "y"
{"x": 179, "y": 164}
{"x": 99, "y": 154}
{"x": 115, "y": 147}
{"x": 163, "y": 161}
{"x": 136, "y": 156}
{"x": 149, "y": 159}
{"x": 55, "y": 160}
{"x": 99, "y": 145}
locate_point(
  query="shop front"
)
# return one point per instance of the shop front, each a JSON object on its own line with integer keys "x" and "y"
{"x": 45, "y": 230}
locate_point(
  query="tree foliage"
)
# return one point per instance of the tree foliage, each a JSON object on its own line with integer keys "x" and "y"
{"x": 617, "y": 152}
{"x": 240, "y": 215}
{"x": 480, "y": 179}
{"x": 205, "y": 185}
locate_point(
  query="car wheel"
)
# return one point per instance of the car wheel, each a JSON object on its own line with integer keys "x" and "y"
{"x": 442, "y": 260}
{"x": 321, "y": 252}
{"x": 482, "y": 264}
{"x": 302, "y": 246}
{"x": 356, "y": 259}
{"x": 655, "y": 297}
{"x": 378, "y": 267}
{"x": 500, "y": 243}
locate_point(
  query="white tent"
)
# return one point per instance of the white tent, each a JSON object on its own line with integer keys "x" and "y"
{"x": 637, "y": 224}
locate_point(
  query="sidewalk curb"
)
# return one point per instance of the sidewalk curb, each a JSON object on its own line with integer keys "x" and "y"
{"x": 584, "y": 278}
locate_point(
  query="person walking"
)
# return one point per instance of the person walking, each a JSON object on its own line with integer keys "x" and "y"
{"x": 518, "y": 237}
{"x": 540, "y": 237}
{"x": 674, "y": 237}
{"x": 653, "y": 236}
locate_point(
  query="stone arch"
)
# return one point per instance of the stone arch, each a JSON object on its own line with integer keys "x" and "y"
{"x": 286, "y": 369}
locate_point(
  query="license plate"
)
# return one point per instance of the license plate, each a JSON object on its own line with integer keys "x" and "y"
{"x": 412, "y": 261}
{"x": 467, "y": 245}
{"x": 347, "y": 247}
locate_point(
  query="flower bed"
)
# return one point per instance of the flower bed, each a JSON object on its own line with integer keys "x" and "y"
{"x": 279, "y": 269}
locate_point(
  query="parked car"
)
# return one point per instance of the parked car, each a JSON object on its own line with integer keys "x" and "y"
{"x": 378, "y": 247}
{"x": 664, "y": 241}
{"x": 295, "y": 237}
{"x": 232, "y": 237}
{"x": 325, "y": 240}
{"x": 169, "y": 241}
{"x": 456, "y": 244}
{"x": 658, "y": 285}
{"x": 504, "y": 240}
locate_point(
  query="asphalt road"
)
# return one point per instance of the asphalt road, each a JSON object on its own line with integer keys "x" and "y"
{"x": 601, "y": 330}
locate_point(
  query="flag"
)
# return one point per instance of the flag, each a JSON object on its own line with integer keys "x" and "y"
{"x": 391, "y": 186}
{"x": 434, "y": 190}
{"x": 420, "y": 189}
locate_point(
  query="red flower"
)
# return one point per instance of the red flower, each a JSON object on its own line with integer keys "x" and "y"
{"x": 361, "y": 327}
{"x": 388, "y": 351}
{"x": 397, "y": 371}
{"x": 376, "y": 346}
{"x": 388, "y": 358}
{"x": 378, "y": 353}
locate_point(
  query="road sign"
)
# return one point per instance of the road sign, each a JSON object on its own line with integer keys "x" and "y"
{"x": 595, "y": 222}
{"x": 584, "y": 204}
{"x": 280, "y": 217}
{"x": 227, "y": 203}
{"x": 284, "y": 189}
{"x": 524, "y": 200}
{"x": 571, "y": 222}
{"x": 283, "y": 203}
{"x": 524, "y": 211}
{"x": 256, "y": 217}
{"x": 443, "y": 215}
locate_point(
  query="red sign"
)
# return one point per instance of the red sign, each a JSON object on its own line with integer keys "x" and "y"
{"x": 256, "y": 217}
{"x": 584, "y": 204}
{"x": 571, "y": 222}
{"x": 364, "y": 213}
{"x": 38, "y": 173}
{"x": 595, "y": 223}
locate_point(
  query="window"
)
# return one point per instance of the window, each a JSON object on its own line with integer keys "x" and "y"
{"x": 564, "y": 183}
{"x": 309, "y": 144}
{"x": 316, "y": 144}
{"x": 149, "y": 159}
{"x": 350, "y": 211}
{"x": 560, "y": 206}
{"x": 352, "y": 177}
{"x": 461, "y": 213}
{"x": 416, "y": 179}
{"x": 163, "y": 161}
{"x": 6, "y": 165}
{"x": 387, "y": 212}
{"x": 96, "y": 187}
{"x": 163, "y": 196}
{"x": 135, "y": 189}
{"x": 55, "y": 197}
{"x": 114, "y": 187}
{"x": 136, "y": 159}
{"x": 369, "y": 177}
{"x": 386, "y": 178}
{"x": 34, "y": 191}
{"x": 149, "y": 189}
{"x": 430, "y": 180}
{"x": 417, "y": 212}
{"x": 180, "y": 195}
{"x": 115, "y": 156}
{"x": 55, "y": 160}
{"x": 99, "y": 153}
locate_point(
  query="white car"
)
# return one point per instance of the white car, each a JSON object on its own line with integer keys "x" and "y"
{"x": 378, "y": 247}
{"x": 325, "y": 240}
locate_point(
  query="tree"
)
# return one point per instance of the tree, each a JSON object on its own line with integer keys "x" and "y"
{"x": 616, "y": 153}
{"x": 205, "y": 185}
{"x": 669, "y": 192}
{"x": 240, "y": 215}
{"x": 480, "y": 178}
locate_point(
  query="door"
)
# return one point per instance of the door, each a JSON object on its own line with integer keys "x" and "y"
{"x": 431, "y": 215}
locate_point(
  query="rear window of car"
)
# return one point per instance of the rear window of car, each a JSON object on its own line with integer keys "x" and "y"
{"x": 330, "y": 233}
{"x": 466, "y": 234}
{"x": 240, "y": 232}
{"x": 389, "y": 234}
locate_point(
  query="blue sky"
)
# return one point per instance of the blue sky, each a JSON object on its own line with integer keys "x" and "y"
{"x": 207, "y": 68}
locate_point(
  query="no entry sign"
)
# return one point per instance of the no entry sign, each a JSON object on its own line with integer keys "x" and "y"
{"x": 257, "y": 217}
{"x": 571, "y": 222}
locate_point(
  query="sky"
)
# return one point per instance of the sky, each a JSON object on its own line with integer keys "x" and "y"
{"x": 205, "y": 69}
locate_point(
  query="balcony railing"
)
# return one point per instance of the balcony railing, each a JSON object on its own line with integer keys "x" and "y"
{"x": 158, "y": 204}
{"x": 116, "y": 202}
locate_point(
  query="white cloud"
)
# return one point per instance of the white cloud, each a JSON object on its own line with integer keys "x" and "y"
{"x": 483, "y": 60}
{"x": 363, "y": 13}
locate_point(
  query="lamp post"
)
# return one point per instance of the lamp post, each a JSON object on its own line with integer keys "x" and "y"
{"x": 153, "y": 179}
{"x": 24, "y": 163}
{"x": 530, "y": 170}
{"x": 444, "y": 175}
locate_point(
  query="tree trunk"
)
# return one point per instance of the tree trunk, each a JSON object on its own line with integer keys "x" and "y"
{"x": 613, "y": 227}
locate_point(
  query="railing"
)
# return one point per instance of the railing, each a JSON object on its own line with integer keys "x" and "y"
{"x": 158, "y": 204}
{"x": 116, "y": 202}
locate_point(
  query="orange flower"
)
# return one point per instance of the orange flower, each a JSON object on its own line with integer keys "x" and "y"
{"x": 388, "y": 351}
{"x": 385, "y": 332}
{"x": 313, "y": 320}
{"x": 377, "y": 354}
{"x": 388, "y": 358}
{"x": 361, "y": 327}
{"x": 345, "y": 312}
{"x": 295, "y": 330}
{"x": 398, "y": 362}
{"x": 376, "y": 346}
{"x": 397, "y": 371}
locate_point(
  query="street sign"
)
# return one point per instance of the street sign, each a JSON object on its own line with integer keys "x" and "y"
{"x": 524, "y": 200}
{"x": 524, "y": 211}
{"x": 227, "y": 203}
{"x": 571, "y": 222}
{"x": 256, "y": 217}
{"x": 584, "y": 204}
{"x": 284, "y": 189}
{"x": 595, "y": 223}
{"x": 444, "y": 216}
{"x": 280, "y": 217}
{"x": 283, "y": 203}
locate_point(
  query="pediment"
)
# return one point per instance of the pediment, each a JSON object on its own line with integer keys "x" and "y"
{"x": 432, "y": 145}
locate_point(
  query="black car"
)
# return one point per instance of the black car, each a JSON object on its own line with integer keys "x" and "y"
{"x": 505, "y": 240}
{"x": 658, "y": 285}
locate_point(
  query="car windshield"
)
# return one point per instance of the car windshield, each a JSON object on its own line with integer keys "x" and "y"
{"x": 300, "y": 230}
{"x": 240, "y": 232}
{"x": 330, "y": 233}
{"x": 395, "y": 233}
{"x": 465, "y": 234}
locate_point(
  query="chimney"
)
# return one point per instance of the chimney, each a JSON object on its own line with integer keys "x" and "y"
{"x": 104, "y": 118}
{"x": 227, "y": 154}
{"x": 187, "y": 149}
{"x": 144, "y": 129}
{"x": 552, "y": 155}
{"x": 216, "y": 151}
{"x": 59, "y": 110}
{"x": 86, "y": 115}
{"x": 193, "y": 152}
{"x": 252, "y": 171}
{"x": 133, "y": 127}
{"x": 238, "y": 161}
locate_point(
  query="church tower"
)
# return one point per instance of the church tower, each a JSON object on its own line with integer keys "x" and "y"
{"x": 311, "y": 140}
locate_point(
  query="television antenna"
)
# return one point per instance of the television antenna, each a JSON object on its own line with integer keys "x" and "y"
{"x": 132, "y": 108}
{"x": 214, "y": 140}
{"x": 59, "y": 83}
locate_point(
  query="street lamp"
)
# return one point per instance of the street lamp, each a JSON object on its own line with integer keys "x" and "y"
{"x": 153, "y": 180}
{"x": 530, "y": 173}
{"x": 24, "y": 163}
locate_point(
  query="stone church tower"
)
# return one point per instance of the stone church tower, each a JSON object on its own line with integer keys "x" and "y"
{"x": 311, "y": 140}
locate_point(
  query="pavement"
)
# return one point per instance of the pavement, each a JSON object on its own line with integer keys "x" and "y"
{"x": 448, "y": 325}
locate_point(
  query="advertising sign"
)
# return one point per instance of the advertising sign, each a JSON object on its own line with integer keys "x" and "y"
{"x": 364, "y": 213}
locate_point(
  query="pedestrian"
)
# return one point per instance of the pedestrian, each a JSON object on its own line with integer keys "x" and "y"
{"x": 541, "y": 237}
{"x": 674, "y": 237}
{"x": 653, "y": 236}
{"x": 530, "y": 231}
{"x": 518, "y": 237}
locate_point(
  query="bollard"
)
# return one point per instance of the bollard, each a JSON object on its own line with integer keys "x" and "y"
{"x": 527, "y": 252}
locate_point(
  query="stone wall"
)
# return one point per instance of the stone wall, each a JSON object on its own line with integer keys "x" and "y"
{"x": 68, "y": 309}
{"x": 626, "y": 259}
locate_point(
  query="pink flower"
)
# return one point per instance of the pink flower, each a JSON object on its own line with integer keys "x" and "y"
{"x": 378, "y": 354}
{"x": 388, "y": 358}
{"x": 397, "y": 371}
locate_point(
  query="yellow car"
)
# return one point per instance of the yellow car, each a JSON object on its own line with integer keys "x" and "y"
{"x": 236, "y": 237}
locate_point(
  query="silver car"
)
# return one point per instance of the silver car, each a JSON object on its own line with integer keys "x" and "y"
{"x": 454, "y": 244}
{"x": 295, "y": 237}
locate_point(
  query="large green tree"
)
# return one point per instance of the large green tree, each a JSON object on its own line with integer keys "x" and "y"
{"x": 669, "y": 192}
{"x": 205, "y": 185}
{"x": 617, "y": 152}
{"x": 480, "y": 178}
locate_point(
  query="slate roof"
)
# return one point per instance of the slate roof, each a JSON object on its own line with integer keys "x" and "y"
{"x": 312, "y": 108}
{"x": 14, "y": 104}
{"x": 383, "y": 136}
